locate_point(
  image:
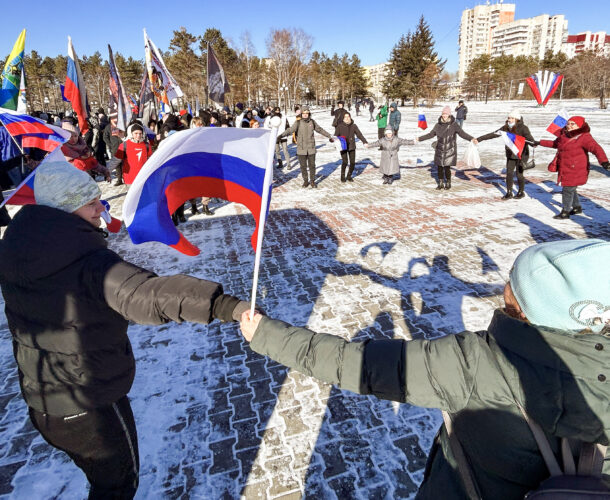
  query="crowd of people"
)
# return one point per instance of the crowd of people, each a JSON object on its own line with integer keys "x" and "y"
{"x": 537, "y": 375}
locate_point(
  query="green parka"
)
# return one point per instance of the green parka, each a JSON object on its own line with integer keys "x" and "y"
{"x": 558, "y": 377}
{"x": 382, "y": 117}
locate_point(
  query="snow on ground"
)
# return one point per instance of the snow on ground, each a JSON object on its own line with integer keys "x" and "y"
{"x": 357, "y": 260}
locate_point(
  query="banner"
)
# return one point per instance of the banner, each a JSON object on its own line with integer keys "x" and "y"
{"x": 146, "y": 101}
{"x": 118, "y": 99}
{"x": 217, "y": 83}
{"x": 164, "y": 86}
{"x": 11, "y": 75}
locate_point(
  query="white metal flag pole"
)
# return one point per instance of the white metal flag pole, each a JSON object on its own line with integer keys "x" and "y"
{"x": 263, "y": 213}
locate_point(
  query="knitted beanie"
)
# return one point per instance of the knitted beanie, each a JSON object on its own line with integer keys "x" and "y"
{"x": 68, "y": 127}
{"x": 564, "y": 284}
{"x": 579, "y": 120}
{"x": 446, "y": 110}
{"x": 60, "y": 185}
{"x": 515, "y": 113}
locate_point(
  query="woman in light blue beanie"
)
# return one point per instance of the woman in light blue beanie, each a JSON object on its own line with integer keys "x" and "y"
{"x": 563, "y": 285}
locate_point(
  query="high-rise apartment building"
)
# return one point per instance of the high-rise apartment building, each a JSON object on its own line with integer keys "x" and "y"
{"x": 476, "y": 31}
{"x": 376, "y": 75}
{"x": 530, "y": 37}
{"x": 598, "y": 42}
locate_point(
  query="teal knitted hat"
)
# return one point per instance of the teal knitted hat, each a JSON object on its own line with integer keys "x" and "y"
{"x": 564, "y": 284}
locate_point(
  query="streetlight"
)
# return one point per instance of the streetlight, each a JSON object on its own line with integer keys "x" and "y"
{"x": 46, "y": 103}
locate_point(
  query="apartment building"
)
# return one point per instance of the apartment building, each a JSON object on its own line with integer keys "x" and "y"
{"x": 530, "y": 37}
{"x": 376, "y": 75}
{"x": 598, "y": 42}
{"x": 476, "y": 31}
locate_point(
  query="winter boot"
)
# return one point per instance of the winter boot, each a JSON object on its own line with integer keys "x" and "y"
{"x": 313, "y": 184}
{"x": 385, "y": 179}
{"x": 520, "y": 194}
{"x": 305, "y": 184}
{"x": 206, "y": 210}
{"x": 448, "y": 184}
{"x": 576, "y": 211}
{"x": 194, "y": 210}
{"x": 280, "y": 164}
{"x": 508, "y": 195}
{"x": 175, "y": 219}
{"x": 349, "y": 174}
{"x": 562, "y": 215}
{"x": 119, "y": 176}
{"x": 439, "y": 185}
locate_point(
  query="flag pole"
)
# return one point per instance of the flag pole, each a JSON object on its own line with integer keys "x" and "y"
{"x": 263, "y": 213}
{"x": 14, "y": 140}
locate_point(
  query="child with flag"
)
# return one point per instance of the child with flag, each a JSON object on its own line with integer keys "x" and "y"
{"x": 571, "y": 163}
{"x": 516, "y": 135}
{"x": 347, "y": 131}
{"x": 389, "y": 145}
{"x": 69, "y": 300}
{"x": 134, "y": 152}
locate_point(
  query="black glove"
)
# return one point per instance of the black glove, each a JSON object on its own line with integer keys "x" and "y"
{"x": 536, "y": 143}
{"x": 331, "y": 140}
{"x": 606, "y": 165}
{"x": 241, "y": 306}
{"x": 224, "y": 307}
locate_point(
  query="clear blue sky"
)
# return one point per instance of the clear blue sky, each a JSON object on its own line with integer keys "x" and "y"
{"x": 369, "y": 28}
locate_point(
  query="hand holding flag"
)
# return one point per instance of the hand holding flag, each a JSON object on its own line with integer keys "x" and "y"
{"x": 514, "y": 142}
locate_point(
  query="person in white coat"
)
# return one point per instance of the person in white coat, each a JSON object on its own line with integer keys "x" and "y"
{"x": 283, "y": 141}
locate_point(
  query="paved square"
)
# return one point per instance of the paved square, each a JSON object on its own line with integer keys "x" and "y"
{"x": 359, "y": 260}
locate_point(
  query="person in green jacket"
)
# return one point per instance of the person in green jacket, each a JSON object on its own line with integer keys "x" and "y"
{"x": 546, "y": 350}
{"x": 382, "y": 121}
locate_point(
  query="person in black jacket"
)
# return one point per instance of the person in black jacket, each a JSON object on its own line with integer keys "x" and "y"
{"x": 348, "y": 130}
{"x": 339, "y": 113}
{"x": 68, "y": 302}
{"x": 514, "y": 124}
{"x": 460, "y": 113}
{"x": 445, "y": 154}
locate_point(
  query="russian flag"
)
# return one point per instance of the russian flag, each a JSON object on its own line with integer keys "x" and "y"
{"x": 341, "y": 143}
{"x": 24, "y": 193}
{"x": 75, "y": 90}
{"x": 560, "y": 121}
{"x": 532, "y": 81}
{"x": 35, "y": 133}
{"x": 552, "y": 87}
{"x": 229, "y": 163}
{"x": 514, "y": 142}
{"x": 421, "y": 122}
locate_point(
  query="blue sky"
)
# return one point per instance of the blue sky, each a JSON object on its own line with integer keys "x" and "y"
{"x": 368, "y": 28}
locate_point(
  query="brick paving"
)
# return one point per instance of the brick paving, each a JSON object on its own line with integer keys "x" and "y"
{"x": 359, "y": 260}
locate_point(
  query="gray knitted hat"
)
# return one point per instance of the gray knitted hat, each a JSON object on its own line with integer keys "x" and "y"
{"x": 60, "y": 185}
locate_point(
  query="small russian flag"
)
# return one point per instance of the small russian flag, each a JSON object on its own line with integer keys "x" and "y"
{"x": 560, "y": 121}
{"x": 421, "y": 122}
{"x": 514, "y": 142}
{"x": 341, "y": 143}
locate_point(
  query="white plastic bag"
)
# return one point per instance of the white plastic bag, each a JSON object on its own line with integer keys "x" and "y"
{"x": 471, "y": 157}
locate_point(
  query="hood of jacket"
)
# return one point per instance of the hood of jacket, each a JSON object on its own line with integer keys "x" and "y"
{"x": 449, "y": 122}
{"x": 573, "y": 133}
{"x": 42, "y": 240}
{"x": 562, "y": 376}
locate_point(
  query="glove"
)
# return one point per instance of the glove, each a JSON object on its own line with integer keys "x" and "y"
{"x": 241, "y": 306}
{"x": 606, "y": 165}
{"x": 536, "y": 143}
{"x": 331, "y": 140}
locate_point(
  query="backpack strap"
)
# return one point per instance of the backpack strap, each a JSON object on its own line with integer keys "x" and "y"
{"x": 470, "y": 485}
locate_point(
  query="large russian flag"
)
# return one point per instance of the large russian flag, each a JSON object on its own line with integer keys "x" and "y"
{"x": 34, "y": 132}
{"x": 75, "y": 90}
{"x": 514, "y": 142}
{"x": 227, "y": 163}
{"x": 560, "y": 121}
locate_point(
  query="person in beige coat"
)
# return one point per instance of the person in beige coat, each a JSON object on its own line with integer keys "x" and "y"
{"x": 389, "y": 144}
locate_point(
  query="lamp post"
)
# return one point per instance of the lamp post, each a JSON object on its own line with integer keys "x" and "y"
{"x": 46, "y": 104}
{"x": 284, "y": 88}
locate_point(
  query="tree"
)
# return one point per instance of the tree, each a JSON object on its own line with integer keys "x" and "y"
{"x": 184, "y": 64}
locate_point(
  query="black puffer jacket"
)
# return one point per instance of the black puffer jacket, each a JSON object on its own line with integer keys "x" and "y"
{"x": 521, "y": 129}
{"x": 350, "y": 132}
{"x": 68, "y": 301}
{"x": 339, "y": 114}
{"x": 445, "y": 154}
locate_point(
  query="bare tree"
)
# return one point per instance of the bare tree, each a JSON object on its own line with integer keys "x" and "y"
{"x": 247, "y": 53}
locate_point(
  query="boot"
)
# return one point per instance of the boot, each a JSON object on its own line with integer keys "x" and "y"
{"x": 305, "y": 184}
{"x": 576, "y": 211}
{"x": 520, "y": 194}
{"x": 508, "y": 195}
{"x": 119, "y": 176}
{"x": 385, "y": 179}
{"x": 448, "y": 184}
{"x": 280, "y": 164}
{"x": 182, "y": 218}
{"x": 390, "y": 179}
{"x": 439, "y": 185}
{"x": 175, "y": 219}
{"x": 349, "y": 174}
{"x": 313, "y": 184}
{"x": 562, "y": 215}
{"x": 194, "y": 210}
{"x": 206, "y": 210}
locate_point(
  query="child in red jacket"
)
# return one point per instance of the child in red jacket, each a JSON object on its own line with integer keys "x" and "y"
{"x": 134, "y": 152}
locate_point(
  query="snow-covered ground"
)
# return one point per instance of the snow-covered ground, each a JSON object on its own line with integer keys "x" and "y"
{"x": 358, "y": 260}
